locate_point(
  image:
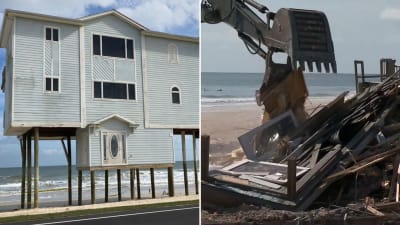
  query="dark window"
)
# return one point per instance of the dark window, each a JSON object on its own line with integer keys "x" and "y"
{"x": 114, "y": 90}
{"x": 129, "y": 48}
{"x": 96, "y": 45}
{"x": 97, "y": 89}
{"x": 131, "y": 90}
{"x": 55, "y": 34}
{"x": 48, "y": 34}
{"x": 105, "y": 147}
{"x": 114, "y": 47}
{"x": 48, "y": 84}
{"x": 175, "y": 96}
{"x": 114, "y": 146}
{"x": 55, "y": 84}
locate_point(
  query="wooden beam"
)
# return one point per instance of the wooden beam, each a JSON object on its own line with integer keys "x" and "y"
{"x": 23, "y": 168}
{"x": 183, "y": 138}
{"x": 205, "y": 150}
{"x": 119, "y": 184}
{"x": 291, "y": 179}
{"x": 132, "y": 181}
{"x": 36, "y": 165}
{"x": 196, "y": 179}
{"x": 92, "y": 187}
{"x": 171, "y": 191}
{"x": 69, "y": 160}
{"x": 153, "y": 189}
{"x": 105, "y": 185}
{"x": 393, "y": 182}
{"x": 29, "y": 184}
{"x": 138, "y": 183}
{"x": 79, "y": 187}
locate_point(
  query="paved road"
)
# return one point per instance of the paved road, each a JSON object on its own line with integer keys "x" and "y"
{"x": 175, "y": 215}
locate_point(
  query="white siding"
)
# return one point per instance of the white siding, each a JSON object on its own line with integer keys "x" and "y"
{"x": 31, "y": 104}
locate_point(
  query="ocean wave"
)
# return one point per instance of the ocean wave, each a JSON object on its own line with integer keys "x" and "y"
{"x": 222, "y": 100}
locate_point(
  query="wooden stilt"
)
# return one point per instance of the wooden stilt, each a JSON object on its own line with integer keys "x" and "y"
{"x": 153, "y": 188}
{"x": 29, "y": 184}
{"x": 132, "y": 180}
{"x": 69, "y": 171}
{"x": 205, "y": 149}
{"x": 92, "y": 187}
{"x": 291, "y": 179}
{"x": 106, "y": 186}
{"x": 119, "y": 184}
{"x": 138, "y": 183}
{"x": 79, "y": 187}
{"x": 171, "y": 190}
{"x": 23, "y": 168}
{"x": 183, "y": 138}
{"x": 36, "y": 164}
{"x": 196, "y": 181}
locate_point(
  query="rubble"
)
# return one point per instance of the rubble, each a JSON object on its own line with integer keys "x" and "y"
{"x": 349, "y": 147}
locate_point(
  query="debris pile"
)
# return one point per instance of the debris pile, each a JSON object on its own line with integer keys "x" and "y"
{"x": 326, "y": 158}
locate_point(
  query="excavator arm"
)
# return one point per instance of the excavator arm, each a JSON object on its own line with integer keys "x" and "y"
{"x": 304, "y": 35}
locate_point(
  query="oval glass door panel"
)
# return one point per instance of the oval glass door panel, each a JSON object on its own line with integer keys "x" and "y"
{"x": 114, "y": 146}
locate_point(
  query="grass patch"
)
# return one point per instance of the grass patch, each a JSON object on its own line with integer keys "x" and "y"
{"x": 86, "y": 212}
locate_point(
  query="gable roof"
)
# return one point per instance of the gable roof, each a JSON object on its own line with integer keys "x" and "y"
{"x": 117, "y": 14}
{"x": 115, "y": 116}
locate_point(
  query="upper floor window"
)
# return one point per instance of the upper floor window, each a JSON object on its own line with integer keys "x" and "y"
{"x": 113, "y": 46}
{"x": 111, "y": 90}
{"x": 176, "y": 98}
{"x": 51, "y": 34}
{"x": 172, "y": 53}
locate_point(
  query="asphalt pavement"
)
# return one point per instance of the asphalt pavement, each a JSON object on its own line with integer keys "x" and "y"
{"x": 171, "y": 215}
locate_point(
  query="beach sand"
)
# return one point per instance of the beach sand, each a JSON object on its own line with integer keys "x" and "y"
{"x": 225, "y": 123}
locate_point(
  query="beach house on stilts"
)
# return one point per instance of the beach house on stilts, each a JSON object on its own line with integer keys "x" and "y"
{"x": 119, "y": 89}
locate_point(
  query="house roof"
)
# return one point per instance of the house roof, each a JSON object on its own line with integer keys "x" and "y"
{"x": 115, "y": 116}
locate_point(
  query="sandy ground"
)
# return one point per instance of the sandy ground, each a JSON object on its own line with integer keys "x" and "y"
{"x": 225, "y": 123}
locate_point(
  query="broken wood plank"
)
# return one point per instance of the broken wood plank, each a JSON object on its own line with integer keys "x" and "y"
{"x": 374, "y": 211}
{"x": 260, "y": 181}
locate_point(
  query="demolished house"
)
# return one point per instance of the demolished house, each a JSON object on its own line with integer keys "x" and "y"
{"x": 345, "y": 152}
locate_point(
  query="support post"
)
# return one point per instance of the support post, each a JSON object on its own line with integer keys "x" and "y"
{"x": 183, "y": 138}
{"x": 119, "y": 184}
{"x": 79, "y": 187}
{"x": 171, "y": 190}
{"x": 69, "y": 159}
{"x": 23, "y": 168}
{"x": 196, "y": 179}
{"x": 138, "y": 183}
{"x": 132, "y": 180}
{"x": 36, "y": 164}
{"x": 205, "y": 150}
{"x": 92, "y": 187}
{"x": 153, "y": 188}
{"x": 105, "y": 185}
{"x": 29, "y": 184}
{"x": 291, "y": 178}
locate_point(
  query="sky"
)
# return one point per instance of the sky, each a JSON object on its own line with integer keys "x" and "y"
{"x": 175, "y": 17}
{"x": 361, "y": 29}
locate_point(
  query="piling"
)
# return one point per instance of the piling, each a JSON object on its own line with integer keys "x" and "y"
{"x": 184, "y": 162}
{"x": 23, "y": 168}
{"x": 79, "y": 187}
{"x": 105, "y": 185}
{"x": 171, "y": 190}
{"x": 29, "y": 184}
{"x": 36, "y": 164}
{"x": 69, "y": 159}
{"x": 92, "y": 187}
{"x": 138, "y": 182}
{"x": 119, "y": 184}
{"x": 132, "y": 179}
{"x": 153, "y": 189}
{"x": 205, "y": 150}
{"x": 196, "y": 181}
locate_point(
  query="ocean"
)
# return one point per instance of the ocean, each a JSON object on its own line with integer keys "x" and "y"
{"x": 53, "y": 182}
{"x": 228, "y": 88}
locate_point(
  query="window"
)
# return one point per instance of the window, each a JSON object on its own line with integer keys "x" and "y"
{"x": 114, "y": 148}
{"x": 113, "y": 46}
{"x": 51, "y": 34}
{"x": 110, "y": 90}
{"x": 51, "y": 60}
{"x": 176, "y": 99}
{"x": 172, "y": 53}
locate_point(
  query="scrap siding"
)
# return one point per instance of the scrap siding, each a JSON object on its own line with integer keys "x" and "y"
{"x": 162, "y": 76}
{"x": 30, "y": 103}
